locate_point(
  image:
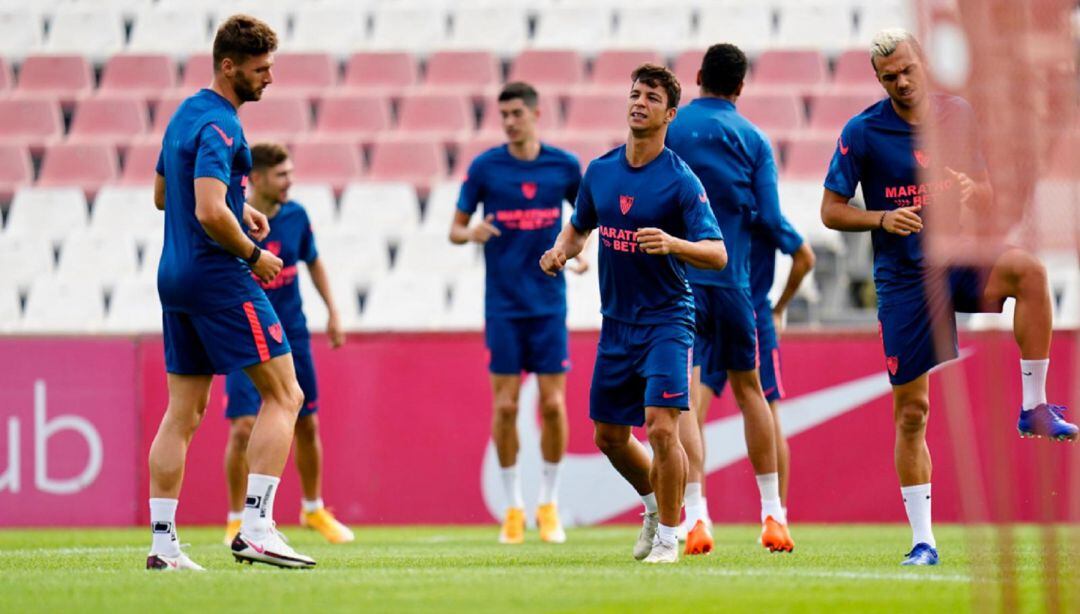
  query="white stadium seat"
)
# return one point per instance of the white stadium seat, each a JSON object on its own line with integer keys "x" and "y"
{"x": 177, "y": 31}
{"x": 10, "y": 309}
{"x": 359, "y": 258}
{"x": 345, "y": 299}
{"x": 466, "y": 302}
{"x": 583, "y": 292}
{"x": 134, "y": 307}
{"x": 434, "y": 253}
{"x": 406, "y": 301}
{"x": 63, "y": 306}
{"x": 877, "y": 15}
{"x": 100, "y": 259}
{"x": 386, "y": 209}
{"x": 498, "y": 28}
{"x": 801, "y": 203}
{"x": 52, "y": 213}
{"x": 441, "y": 205}
{"x": 127, "y": 8}
{"x": 587, "y": 28}
{"x": 22, "y": 31}
{"x": 750, "y": 26}
{"x": 151, "y": 256}
{"x": 95, "y": 33}
{"x": 660, "y": 26}
{"x": 828, "y": 27}
{"x": 128, "y": 208}
{"x": 340, "y": 30}
{"x": 318, "y": 201}
{"x": 416, "y": 28}
{"x": 34, "y": 255}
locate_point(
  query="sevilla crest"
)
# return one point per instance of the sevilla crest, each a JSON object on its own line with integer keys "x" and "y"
{"x": 528, "y": 189}
{"x": 274, "y": 247}
{"x": 625, "y": 202}
{"x": 922, "y": 158}
{"x": 275, "y": 331}
{"x": 893, "y": 363}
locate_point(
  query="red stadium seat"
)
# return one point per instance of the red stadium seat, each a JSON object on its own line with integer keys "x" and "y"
{"x": 147, "y": 76}
{"x": 140, "y": 163}
{"x": 87, "y": 166}
{"x": 418, "y": 162}
{"x": 597, "y": 115}
{"x": 112, "y": 120}
{"x": 686, "y": 67}
{"x": 472, "y": 73}
{"x": 320, "y": 161}
{"x": 7, "y": 80}
{"x": 808, "y": 157}
{"x": 853, "y": 71}
{"x": 64, "y": 77}
{"x": 35, "y": 123}
{"x": 386, "y": 72}
{"x": 798, "y": 70}
{"x": 352, "y": 117}
{"x": 585, "y": 148}
{"x": 551, "y": 72}
{"x": 829, "y": 112}
{"x": 198, "y": 72}
{"x": 16, "y": 169}
{"x": 276, "y": 118}
{"x": 164, "y": 109}
{"x": 437, "y": 116}
{"x": 491, "y": 120}
{"x": 305, "y": 74}
{"x": 778, "y": 114}
{"x": 612, "y": 68}
{"x": 468, "y": 151}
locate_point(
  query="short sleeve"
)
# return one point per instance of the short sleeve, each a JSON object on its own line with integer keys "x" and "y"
{"x": 472, "y": 191}
{"x": 213, "y": 157}
{"x": 308, "y": 251}
{"x": 584, "y": 218}
{"x": 573, "y": 180}
{"x": 843, "y": 175}
{"x": 787, "y": 239}
{"x": 160, "y": 167}
{"x": 766, "y": 196}
{"x": 697, "y": 212}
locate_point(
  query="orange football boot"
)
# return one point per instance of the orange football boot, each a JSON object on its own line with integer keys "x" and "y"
{"x": 699, "y": 540}
{"x": 775, "y": 536}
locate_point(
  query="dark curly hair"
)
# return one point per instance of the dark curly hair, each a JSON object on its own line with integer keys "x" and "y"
{"x": 242, "y": 36}
{"x": 655, "y": 75}
{"x": 723, "y": 69}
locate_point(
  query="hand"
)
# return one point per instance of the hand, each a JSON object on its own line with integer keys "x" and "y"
{"x": 580, "y": 266}
{"x": 267, "y": 267}
{"x": 483, "y": 231}
{"x": 655, "y": 241}
{"x": 967, "y": 185}
{"x": 258, "y": 225}
{"x": 779, "y": 318}
{"x": 903, "y": 221}
{"x": 553, "y": 261}
{"x": 333, "y": 330}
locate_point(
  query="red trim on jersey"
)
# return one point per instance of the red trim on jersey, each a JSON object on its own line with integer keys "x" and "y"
{"x": 256, "y": 332}
{"x": 776, "y": 372}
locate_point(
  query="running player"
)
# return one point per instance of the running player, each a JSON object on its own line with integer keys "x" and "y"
{"x": 735, "y": 163}
{"x": 291, "y": 240}
{"x": 216, "y": 318}
{"x": 522, "y": 186}
{"x": 653, "y": 216}
{"x": 916, "y": 301}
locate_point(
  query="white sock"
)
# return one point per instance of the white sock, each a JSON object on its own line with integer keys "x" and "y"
{"x": 163, "y": 527}
{"x": 234, "y": 516}
{"x": 694, "y": 503}
{"x": 650, "y": 503}
{"x": 917, "y": 504}
{"x": 549, "y": 483}
{"x": 313, "y": 505}
{"x": 512, "y": 485}
{"x": 667, "y": 535}
{"x": 769, "y": 487}
{"x": 1033, "y": 378}
{"x": 259, "y": 505}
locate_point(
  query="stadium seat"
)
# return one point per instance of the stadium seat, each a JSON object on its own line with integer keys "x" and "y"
{"x": 553, "y": 72}
{"x": 100, "y": 259}
{"x": 177, "y": 31}
{"x": 611, "y": 69}
{"x": 596, "y": 115}
{"x": 352, "y": 117}
{"x": 16, "y": 169}
{"x": 491, "y": 119}
{"x": 409, "y": 301}
{"x": 499, "y": 28}
{"x": 87, "y": 166}
{"x": 381, "y": 72}
{"x": 431, "y": 252}
{"x": 327, "y": 161}
{"x": 882, "y": 14}
{"x": 358, "y": 258}
{"x": 63, "y": 306}
{"x": 151, "y": 256}
{"x": 10, "y": 309}
{"x": 163, "y": 112}
{"x": 140, "y": 163}
{"x": 419, "y": 162}
{"x": 198, "y": 73}
{"x": 128, "y": 209}
{"x": 585, "y": 148}
{"x": 583, "y": 293}
{"x": 34, "y": 123}
{"x": 438, "y": 117}
{"x": 584, "y": 27}
{"x": 778, "y": 114}
{"x": 441, "y": 205}
{"x": 829, "y": 112}
{"x": 385, "y": 209}
{"x": 466, "y": 302}
{"x": 416, "y": 28}
{"x": 796, "y": 70}
{"x": 747, "y": 24}
{"x": 808, "y": 157}
{"x": 662, "y": 26}
{"x": 345, "y": 299}
{"x": 134, "y": 307}
{"x": 303, "y": 74}
{"x": 473, "y": 147}
{"x": 111, "y": 120}
{"x": 815, "y": 25}
{"x": 280, "y": 118}
{"x": 22, "y": 31}
{"x": 319, "y": 202}
{"x": 49, "y": 213}
{"x": 7, "y": 78}
{"x": 89, "y": 31}
{"x": 146, "y": 76}
{"x": 34, "y": 254}
{"x": 800, "y": 201}
{"x": 470, "y": 73}
{"x": 686, "y": 66}
{"x": 854, "y": 72}
{"x": 63, "y": 77}
{"x": 127, "y": 8}
{"x": 338, "y": 30}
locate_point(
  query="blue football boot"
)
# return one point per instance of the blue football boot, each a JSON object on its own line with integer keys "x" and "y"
{"x": 1046, "y": 420}
{"x": 922, "y": 554}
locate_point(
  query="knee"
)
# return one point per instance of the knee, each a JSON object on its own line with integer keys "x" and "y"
{"x": 1033, "y": 272}
{"x": 506, "y": 408}
{"x": 662, "y": 435}
{"x": 608, "y": 443}
{"x": 552, "y": 407}
{"x": 911, "y": 416}
{"x": 307, "y": 428}
{"x": 240, "y": 433}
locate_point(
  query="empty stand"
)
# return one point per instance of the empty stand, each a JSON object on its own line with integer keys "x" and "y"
{"x": 384, "y": 72}
{"x": 89, "y": 31}
{"x": 816, "y": 25}
{"x": 471, "y": 73}
{"x": 276, "y": 118}
{"x": 686, "y": 66}
{"x": 345, "y": 300}
{"x": 146, "y": 76}
{"x": 330, "y": 29}
{"x": 880, "y": 15}
{"x": 63, "y": 77}
{"x": 778, "y": 114}
{"x": 829, "y": 112}
{"x": 585, "y": 27}
{"x": 473, "y": 147}
{"x": 441, "y": 205}
{"x": 127, "y": 209}
{"x": 306, "y": 74}
{"x": 809, "y": 157}
{"x": 7, "y": 79}
{"x": 86, "y": 165}
{"x": 277, "y": 17}
{"x": 101, "y": 259}
{"x": 163, "y": 112}
{"x": 48, "y": 213}
{"x": 432, "y": 252}
{"x": 198, "y": 73}
{"x": 499, "y": 28}
{"x": 800, "y": 202}
{"x": 352, "y": 117}
{"x": 415, "y": 28}
{"x": 134, "y": 307}
{"x": 584, "y": 147}
{"x": 491, "y": 119}
{"x": 34, "y": 123}
{"x": 611, "y": 69}
{"x": 358, "y": 258}
{"x": 467, "y": 302}
{"x": 34, "y": 254}
{"x": 319, "y": 202}
{"x": 596, "y": 115}
{"x": 553, "y": 72}
{"x": 327, "y": 161}
{"x": 384, "y": 209}
{"x": 435, "y": 116}
{"x": 22, "y": 31}
{"x": 748, "y": 25}
{"x": 140, "y": 163}
{"x": 854, "y": 72}
{"x": 63, "y": 306}
{"x": 16, "y": 169}
{"x": 177, "y": 31}
{"x": 406, "y": 302}
{"x": 660, "y": 26}
{"x": 110, "y": 120}
{"x": 10, "y": 309}
{"x": 418, "y": 162}
{"x": 799, "y": 70}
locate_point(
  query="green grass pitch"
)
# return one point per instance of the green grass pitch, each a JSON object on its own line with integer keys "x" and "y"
{"x": 462, "y": 569}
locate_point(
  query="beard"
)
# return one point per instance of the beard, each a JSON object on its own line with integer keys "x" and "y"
{"x": 244, "y": 90}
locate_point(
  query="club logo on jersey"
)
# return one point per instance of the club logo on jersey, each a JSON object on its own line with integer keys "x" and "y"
{"x": 893, "y": 363}
{"x": 275, "y": 331}
{"x": 274, "y": 247}
{"x": 528, "y": 189}
{"x": 922, "y": 158}
{"x": 625, "y": 202}
{"x": 840, "y": 144}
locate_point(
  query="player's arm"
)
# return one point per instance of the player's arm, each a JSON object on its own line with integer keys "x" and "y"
{"x": 461, "y": 232}
{"x": 838, "y": 214}
{"x": 218, "y": 221}
{"x": 569, "y": 244}
{"x": 321, "y": 280}
{"x": 159, "y": 192}
{"x": 802, "y": 262}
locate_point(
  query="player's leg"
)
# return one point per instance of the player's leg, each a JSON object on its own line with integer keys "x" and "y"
{"x": 911, "y": 410}
{"x": 236, "y": 471}
{"x": 506, "y": 363}
{"x": 773, "y": 388}
{"x": 629, "y": 457}
{"x": 783, "y": 455}
{"x": 668, "y": 478}
{"x": 554, "y": 435}
{"x": 1021, "y": 275}
{"x": 697, "y": 528}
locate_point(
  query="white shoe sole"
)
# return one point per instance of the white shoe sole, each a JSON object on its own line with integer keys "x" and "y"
{"x": 248, "y": 554}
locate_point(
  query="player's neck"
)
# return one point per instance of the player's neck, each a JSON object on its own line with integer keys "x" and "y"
{"x": 226, "y": 91}
{"x": 527, "y": 150}
{"x": 914, "y": 115}
{"x": 267, "y": 206}
{"x": 640, "y": 150}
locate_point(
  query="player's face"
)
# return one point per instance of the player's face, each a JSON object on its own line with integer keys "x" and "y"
{"x": 647, "y": 109}
{"x": 518, "y": 120}
{"x": 903, "y": 76}
{"x": 274, "y": 183}
{"x": 250, "y": 77}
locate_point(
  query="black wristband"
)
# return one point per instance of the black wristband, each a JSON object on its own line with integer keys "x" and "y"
{"x": 254, "y": 257}
{"x": 881, "y": 222}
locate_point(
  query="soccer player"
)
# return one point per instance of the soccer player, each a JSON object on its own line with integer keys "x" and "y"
{"x": 880, "y": 148}
{"x": 734, "y": 160}
{"x": 653, "y": 218}
{"x": 216, "y": 317}
{"x": 522, "y": 185}
{"x": 291, "y": 240}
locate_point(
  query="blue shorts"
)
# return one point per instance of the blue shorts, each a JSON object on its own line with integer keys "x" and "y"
{"x": 726, "y": 335}
{"x": 907, "y": 326}
{"x": 533, "y": 345}
{"x": 223, "y": 341}
{"x": 242, "y": 399}
{"x": 768, "y": 362}
{"x": 639, "y": 366}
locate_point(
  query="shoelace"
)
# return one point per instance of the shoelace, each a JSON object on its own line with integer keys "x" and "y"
{"x": 1058, "y": 411}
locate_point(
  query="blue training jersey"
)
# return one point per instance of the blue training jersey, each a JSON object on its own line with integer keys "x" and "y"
{"x": 618, "y": 199}
{"x": 203, "y": 139}
{"x": 291, "y": 240}
{"x": 763, "y": 246}
{"x": 526, "y": 197}
{"x": 881, "y": 151}
{"x": 734, "y": 161}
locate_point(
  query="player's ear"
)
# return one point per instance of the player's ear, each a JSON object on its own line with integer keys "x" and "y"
{"x": 669, "y": 115}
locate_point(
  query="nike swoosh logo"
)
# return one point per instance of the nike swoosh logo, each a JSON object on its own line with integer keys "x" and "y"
{"x": 769, "y": 391}
{"x": 668, "y": 395}
{"x": 591, "y": 491}
{"x": 255, "y": 546}
{"x": 1026, "y": 373}
{"x": 840, "y": 143}
{"x": 224, "y": 137}
{"x": 703, "y": 197}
